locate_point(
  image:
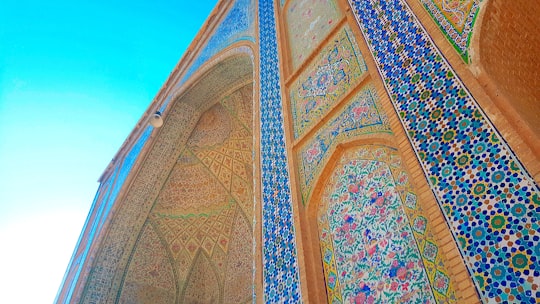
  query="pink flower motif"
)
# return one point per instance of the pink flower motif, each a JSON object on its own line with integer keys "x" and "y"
{"x": 361, "y": 254}
{"x": 410, "y": 265}
{"x": 441, "y": 283}
{"x": 353, "y": 188}
{"x": 359, "y": 111}
{"x": 394, "y": 286}
{"x": 360, "y": 298}
{"x": 313, "y": 152}
{"x": 402, "y": 273}
{"x": 372, "y": 249}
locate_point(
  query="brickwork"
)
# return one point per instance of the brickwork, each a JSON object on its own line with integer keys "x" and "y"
{"x": 508, "y": 52}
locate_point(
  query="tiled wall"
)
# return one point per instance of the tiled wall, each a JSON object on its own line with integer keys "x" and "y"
{"x": 362, "y": 115}
{"x": 456, "y": 20}
{"x": 308, "y": 23}
{"x": 490, "y": 201}
{"x": 238, "y": 25}
{"x": 337, "y": 69}
{"x": 370, "y": 248}
{"x": 281, "y": 280}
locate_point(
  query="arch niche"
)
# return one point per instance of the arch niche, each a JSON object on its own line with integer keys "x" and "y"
{"x": 360, "y": 221}
{"x": 196, "y": 243}
{"x": 505, "y": 48}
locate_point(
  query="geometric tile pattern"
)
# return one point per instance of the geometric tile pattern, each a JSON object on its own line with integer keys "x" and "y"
{"x": 200, "y": 221}
{"x": 335, "y": 70}
{"x": 125, "y": 169}
{"x": 309, "y": 22}
{"x": 202, "y": 285}
{"x": 490, "y": 201}
{"x": 108, "y": 193}
{"x": 150, "y": 275}
{"x": 281, "y": 280}
{"x": 238, "y": 25}
{"x": 243, "y": 111}
{"x": 456, "y": 20}
{"x": 367, "y": 193}
{"x": 230, "y": 161}
{"x": 242, "y": 282}
{"x": 362, "y": 115}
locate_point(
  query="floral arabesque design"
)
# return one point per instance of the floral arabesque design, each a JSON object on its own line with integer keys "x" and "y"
{"x": 376, "y": 257}
{"x": 338, "y": 67}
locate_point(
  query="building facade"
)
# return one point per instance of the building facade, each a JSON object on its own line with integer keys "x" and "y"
{"x": 332, "y": 151}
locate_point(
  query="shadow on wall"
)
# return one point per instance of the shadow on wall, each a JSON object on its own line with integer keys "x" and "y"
{"x": 507, "y": 51}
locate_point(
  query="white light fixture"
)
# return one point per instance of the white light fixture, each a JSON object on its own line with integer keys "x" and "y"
{"x": 155, "y": 120}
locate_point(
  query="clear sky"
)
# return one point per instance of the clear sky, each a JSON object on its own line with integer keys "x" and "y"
{"x": 75, "y": 77}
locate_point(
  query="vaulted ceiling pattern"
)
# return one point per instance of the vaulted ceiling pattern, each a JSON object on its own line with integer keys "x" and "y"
{"x": 196, "y": 244}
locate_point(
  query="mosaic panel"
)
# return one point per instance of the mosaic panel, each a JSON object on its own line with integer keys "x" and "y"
{"x": 281, "y": 282}
{"x": 128, "y": 161}
{"x": 337, "y": 69}
{"x": 150, "y": 273}
{"x": 203, "y": 205}
{"x": 238, "y": 25}
{"x": 202, "y": 284}
{"x": 490, "y": 201}
{"x": 240, "y": 105}
{"x": 456, "y": 20}
{"x": 361, "y": 116}
{"x": 103, "y": 278}
{"x": 309, "y": 22}
{"x": 230, "y": 161}
{"x": 370, "y": 245}
{"x": 239, "y": 266}
{"x": 90, "y": 230}
{"x": 192, "y": 190}
{"x": 111, "y": 188}
{"x": 375, "y": 254}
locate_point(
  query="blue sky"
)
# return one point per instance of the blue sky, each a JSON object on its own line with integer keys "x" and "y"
{"x": 75, "y": 77}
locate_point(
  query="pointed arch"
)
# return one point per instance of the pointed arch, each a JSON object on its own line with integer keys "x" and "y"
{"x": 368, "y": 223}
{"x": 202, "y": 284}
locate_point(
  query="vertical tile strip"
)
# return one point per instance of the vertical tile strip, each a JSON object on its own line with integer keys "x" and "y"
{"x": 281, "y": 280}
{"x": 491, "y": 203}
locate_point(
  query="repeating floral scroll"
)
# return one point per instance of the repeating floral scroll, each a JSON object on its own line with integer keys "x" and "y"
{"x": 362, "y": 115}
{"x": 456, "y": 20}
{"x": 375, "y": 242}
{"x": 336, "y": 70}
